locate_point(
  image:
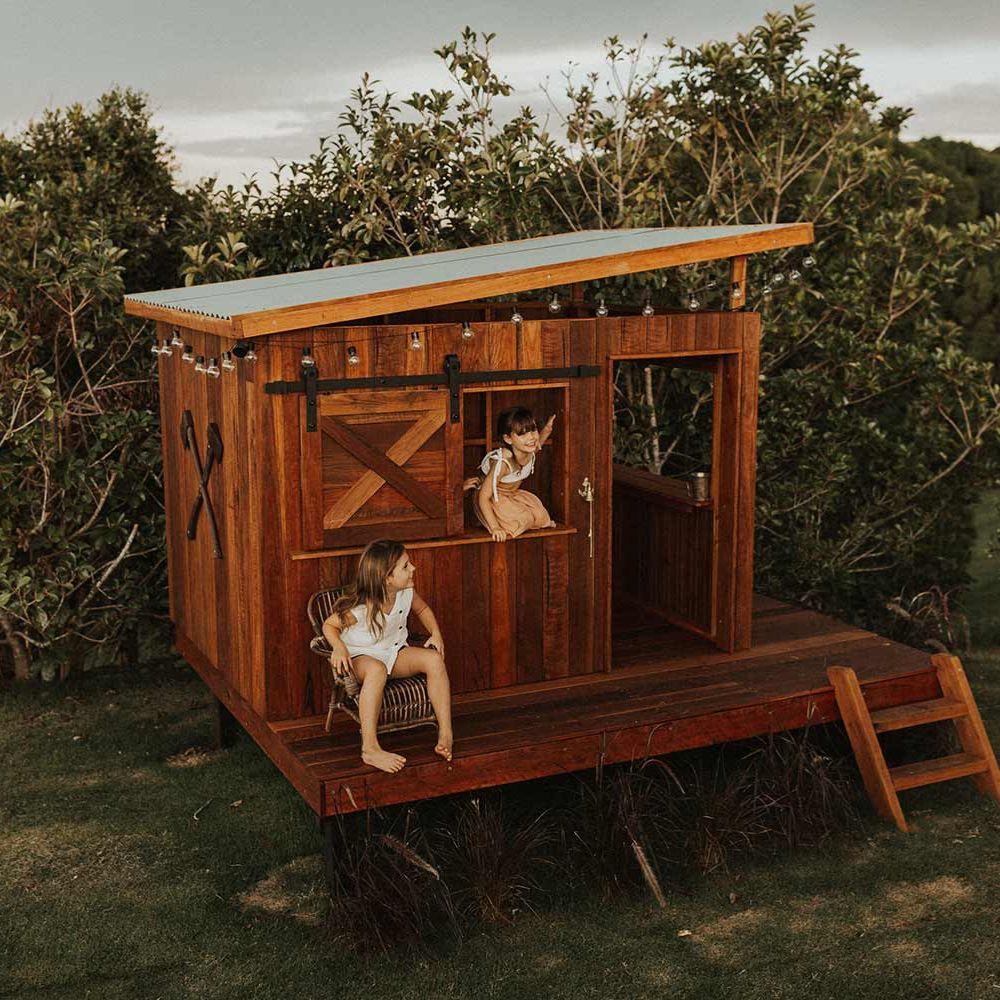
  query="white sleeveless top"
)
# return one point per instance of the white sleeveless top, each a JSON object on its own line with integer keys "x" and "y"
{"x": 520, "y": 471}
{"x": 360, "y": 638}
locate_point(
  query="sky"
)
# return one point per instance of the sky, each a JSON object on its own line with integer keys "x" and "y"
{"x": 235, "y": 86}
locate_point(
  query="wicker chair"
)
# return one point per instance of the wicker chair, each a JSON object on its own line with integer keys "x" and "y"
{"x": 405, "y": 703}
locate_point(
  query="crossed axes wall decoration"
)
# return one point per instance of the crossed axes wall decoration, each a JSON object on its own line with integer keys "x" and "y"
{"x": 212, "y": 456}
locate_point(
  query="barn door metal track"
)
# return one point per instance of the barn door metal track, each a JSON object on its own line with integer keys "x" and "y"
{"x": 310, "y": 385}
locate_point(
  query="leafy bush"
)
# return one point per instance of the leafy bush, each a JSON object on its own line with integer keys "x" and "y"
{"x": 878, "y": 430}
{"x": 86, "y": 207}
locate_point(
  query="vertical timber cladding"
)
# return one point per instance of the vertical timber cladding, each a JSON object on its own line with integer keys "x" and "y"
{"x": 507, "y": 611}
{"x": 208, "y": 594}
{"x": 733, "y": 339}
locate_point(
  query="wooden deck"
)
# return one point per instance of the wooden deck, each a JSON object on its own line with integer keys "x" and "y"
{"x": 669, "y": 691}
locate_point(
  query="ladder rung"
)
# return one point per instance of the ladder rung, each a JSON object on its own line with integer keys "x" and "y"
{"x": 917, "y": 713}
{"x": 927, "y": 772}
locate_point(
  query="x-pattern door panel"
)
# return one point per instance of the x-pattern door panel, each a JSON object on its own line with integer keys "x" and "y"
{"x": 380, "y": 465}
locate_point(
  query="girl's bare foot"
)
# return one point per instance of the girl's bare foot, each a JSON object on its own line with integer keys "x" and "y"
{"x": 383, "y": 760}
{"x": 443, "y": 747}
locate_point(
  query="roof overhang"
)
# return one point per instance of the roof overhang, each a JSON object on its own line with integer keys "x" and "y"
{"x": 255, "y": 307}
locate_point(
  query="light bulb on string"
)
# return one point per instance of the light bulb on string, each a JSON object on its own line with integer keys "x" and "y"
{"x": 176, "y": 340}
{"x": 794, "y": 274}
{"x": 188, "y": 354}
{"x": 415, "y": 344}
{"x": 809, "y": 260}
{"x": 227, "y": 361}
{"x": 165, "y": 349}
{"x": 199, "y": 364}
{"x": 693, "y": 304}
{"x": 251, "y": 355}
{"x": 736, "y": 291}
{"x": 516, "y": 318}
{"x": 467, "y": 332}
{"x": 156, "y": 349}
{"x": 307, "y": 359}
{"x": 352, "y": 356}
{"x": 554, "y": 304}
{"x": 767, "y": 291}
{"x": 213, "y": 368}
{"x": 778, "y": 278}
{"x": 602, "y": 308}
{"x": 647, "y": 308}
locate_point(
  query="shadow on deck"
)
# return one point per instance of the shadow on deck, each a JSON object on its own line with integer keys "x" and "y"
{"x": 668, "y": 691}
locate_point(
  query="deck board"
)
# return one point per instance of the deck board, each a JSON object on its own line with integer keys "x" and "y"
{"x": 668, "y": 691}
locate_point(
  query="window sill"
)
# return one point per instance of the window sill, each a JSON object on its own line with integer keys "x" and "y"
{"x": 478, "y": 537}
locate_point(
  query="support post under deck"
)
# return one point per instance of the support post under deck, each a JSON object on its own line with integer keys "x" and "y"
{"x": 224, "y": 725}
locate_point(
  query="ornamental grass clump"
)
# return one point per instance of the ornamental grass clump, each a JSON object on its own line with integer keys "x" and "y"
{"x": 387, "y": 891}
{"x": 494, "y": 861}
{"x": 806, "y": 785}
{"x": 720, "y": 814}
{"x": 618, "y": 828}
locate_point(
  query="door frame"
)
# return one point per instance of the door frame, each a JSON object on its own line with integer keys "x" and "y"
{"x": 734, "y": 411}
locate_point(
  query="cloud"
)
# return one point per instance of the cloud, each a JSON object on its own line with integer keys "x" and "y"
{"x": 969, "y": 110}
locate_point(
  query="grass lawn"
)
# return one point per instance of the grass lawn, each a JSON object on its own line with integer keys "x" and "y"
{"x": 134, "y": 866}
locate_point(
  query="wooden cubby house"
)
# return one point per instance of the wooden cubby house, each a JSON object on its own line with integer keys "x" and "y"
{"x": 316, "y": 411}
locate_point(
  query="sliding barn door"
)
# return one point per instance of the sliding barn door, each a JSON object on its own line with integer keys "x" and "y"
{"x": 382, "y": 463}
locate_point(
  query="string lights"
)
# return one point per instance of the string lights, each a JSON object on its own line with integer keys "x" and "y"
{"x": 735, "y": 293}
{"x": 779, "y": 281}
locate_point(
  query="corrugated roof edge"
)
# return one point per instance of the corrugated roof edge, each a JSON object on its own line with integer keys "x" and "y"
{"x": 748, "y": 240}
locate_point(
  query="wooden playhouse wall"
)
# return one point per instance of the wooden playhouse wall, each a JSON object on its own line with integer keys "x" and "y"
{"x": 528, "y": 610}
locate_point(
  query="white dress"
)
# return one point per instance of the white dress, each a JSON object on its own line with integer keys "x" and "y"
{"x": 519, "y": 471}
{"x": 515, "y": 510}
{"x": 360, "y": 639}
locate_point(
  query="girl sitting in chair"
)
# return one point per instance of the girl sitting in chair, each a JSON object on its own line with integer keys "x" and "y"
{"x": 503, "y": 508}
{"x": 367, "y": 634}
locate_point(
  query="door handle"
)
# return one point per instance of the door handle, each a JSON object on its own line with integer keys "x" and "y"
{"x": 586, "y": 491}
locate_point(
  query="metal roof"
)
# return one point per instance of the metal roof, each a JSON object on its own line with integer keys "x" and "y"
{"x": 256, "y": 306}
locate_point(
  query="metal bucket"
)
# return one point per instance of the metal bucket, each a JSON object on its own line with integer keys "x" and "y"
{"x": 699, "y": 484}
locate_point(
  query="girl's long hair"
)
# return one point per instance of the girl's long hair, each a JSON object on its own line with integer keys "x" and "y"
{"x": 369, "y": 587}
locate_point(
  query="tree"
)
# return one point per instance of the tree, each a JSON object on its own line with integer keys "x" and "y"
{"x": 87, "y": 209}
{"x": 877, "y": 428}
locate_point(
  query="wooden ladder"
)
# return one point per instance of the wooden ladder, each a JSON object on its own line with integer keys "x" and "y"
{"x": 976, "y": 761}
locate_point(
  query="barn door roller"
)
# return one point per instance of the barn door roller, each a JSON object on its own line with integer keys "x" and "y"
{"x": 452, "y": 377}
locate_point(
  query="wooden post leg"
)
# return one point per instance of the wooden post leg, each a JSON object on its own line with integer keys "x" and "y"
{"x": 971, "y": 731}
{"x": 864, "y": 741}
{"x": 225, "y": 726}
{"x": 328, "y": 827}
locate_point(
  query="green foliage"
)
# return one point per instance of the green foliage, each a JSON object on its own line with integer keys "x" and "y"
{"x": 973, "y": 195}
{"x": 86, "y": 205}
{"x": 878, "y": 416}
